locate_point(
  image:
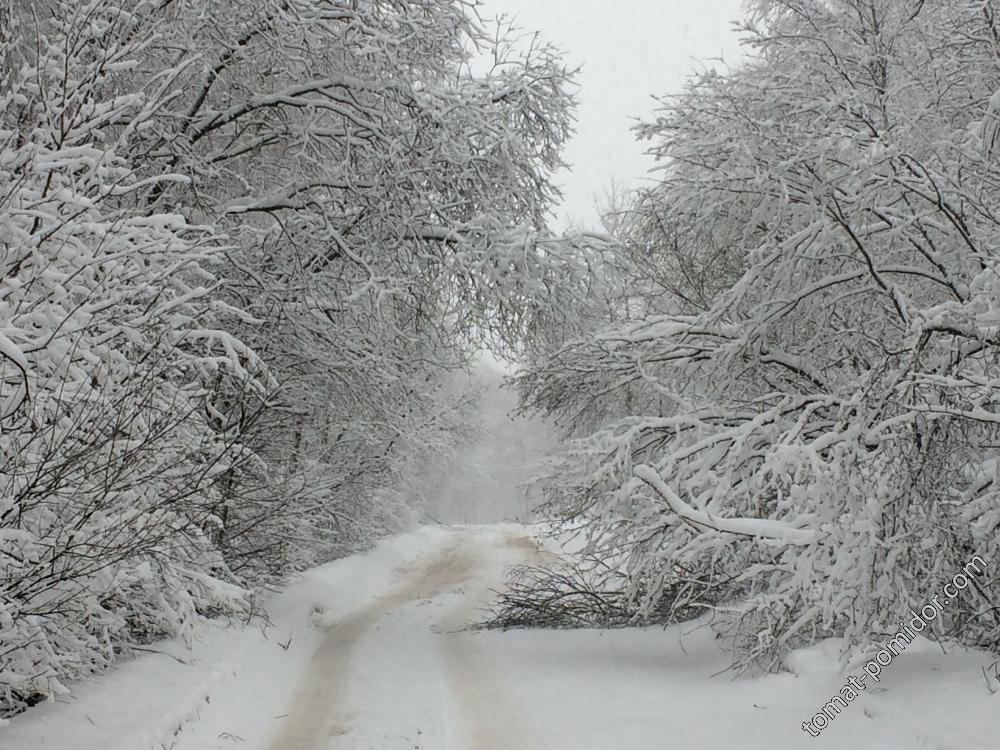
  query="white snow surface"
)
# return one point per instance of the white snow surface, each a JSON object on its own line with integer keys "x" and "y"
{"x": 378, "y": 660}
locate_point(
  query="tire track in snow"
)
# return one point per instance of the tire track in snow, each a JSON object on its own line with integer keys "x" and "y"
{"x": 320, "y": 709}
{"x": 484, "y": 718}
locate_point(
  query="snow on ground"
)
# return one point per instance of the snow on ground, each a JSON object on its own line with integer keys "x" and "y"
{"x": 621, "y": 689}
{"x": 157, "y": 702}
{"x": 378, "y": 660}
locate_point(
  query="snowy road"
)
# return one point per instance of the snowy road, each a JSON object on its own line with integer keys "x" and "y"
{"x": 431, "y": 689}
{"x": 371, "y": 653}
{"x": 403, "y": 673}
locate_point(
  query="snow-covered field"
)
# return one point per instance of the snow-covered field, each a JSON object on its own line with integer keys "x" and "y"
{"x": 369, "y": 653}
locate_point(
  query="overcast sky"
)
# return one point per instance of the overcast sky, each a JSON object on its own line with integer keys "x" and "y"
{"x": 628, "y": 50}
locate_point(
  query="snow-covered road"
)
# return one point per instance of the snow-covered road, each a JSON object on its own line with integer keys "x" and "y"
{"x": 371, "y": 653}
{"x": 400, "y": 672}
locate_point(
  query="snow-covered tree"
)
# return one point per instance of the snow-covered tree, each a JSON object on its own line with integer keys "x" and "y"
{"x": 387, "y": 208}
{"x": 244, "y": 248}
{"x": 818, "y": 388}
{"x": 109, "y": 345}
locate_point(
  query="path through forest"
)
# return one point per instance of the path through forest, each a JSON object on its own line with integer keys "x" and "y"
{"x": 423, "y": 616}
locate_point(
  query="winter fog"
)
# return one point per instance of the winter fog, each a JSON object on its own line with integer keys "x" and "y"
{"x": 488, "y": 479}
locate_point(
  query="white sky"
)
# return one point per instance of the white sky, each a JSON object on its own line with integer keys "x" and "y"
{"x": 629, "y": 50}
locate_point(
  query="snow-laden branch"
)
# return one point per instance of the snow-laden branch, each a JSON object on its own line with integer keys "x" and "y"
{"x": 755, "y": 527}
{"x": 10, "y": 352}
